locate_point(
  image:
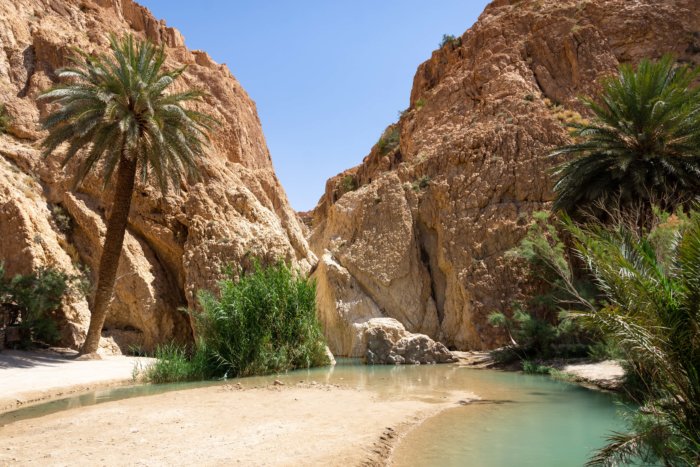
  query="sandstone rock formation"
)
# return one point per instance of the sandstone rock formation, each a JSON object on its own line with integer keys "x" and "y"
{"x": 355, "y": 327}
{"x": 388, "y": 342}
{"x": 175, "y": 245}
{"x": 419, "y": 230}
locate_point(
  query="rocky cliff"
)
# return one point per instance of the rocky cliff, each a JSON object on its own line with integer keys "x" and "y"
{"x": 419, "y": 230}
{"x": 175, "y": 245}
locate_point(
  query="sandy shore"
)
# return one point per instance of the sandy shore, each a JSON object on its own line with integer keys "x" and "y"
{"x": 607, "y": 375}
{"x": 31, "y": 377}
{"x": 298, "y": 423}
{"x": 301, "y": 424}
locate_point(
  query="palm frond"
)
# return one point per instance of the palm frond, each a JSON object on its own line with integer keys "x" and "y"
{"x": 116, "y": 105}
{"x": 643, "y": 143}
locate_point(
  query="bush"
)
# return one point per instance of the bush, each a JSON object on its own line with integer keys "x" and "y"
{"x": 61, "y": 218}
{"x": 263, "y": 323}
{"x": 389, "y": 140}
{"x": 538, "y": 327}
{"x": 532, "y": 337}
{"x": 533, "y": 368}
{"x": 347, "y": 184}
{"x": 175, "y": 365}
{"x": 36, "y": 297}
{"x": 420, "y": 184}
{"x": 4, "y": 119}
{"x": 451, "y": 40}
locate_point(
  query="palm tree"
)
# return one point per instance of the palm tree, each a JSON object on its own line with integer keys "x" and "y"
{"x": 114, "y": 114}
{"x": 652, "y": 312}
{"x": 643, "y": 144}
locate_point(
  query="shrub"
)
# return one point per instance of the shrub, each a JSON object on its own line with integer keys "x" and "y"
{"x": 61, "y": 218}
{"x": 175, "y": 365}
{"x": 449, "y": 39}
{"x": 347, "y": 184}
{"x": 35, "y": 296}
{"x": 262, "y": 323}
{"x": 421, "y": 183}
{"x": 420, "y": 103}
{"x": 389, "y": 140}
{"x": 534, "y": 368}
{"x": 538, "y": 328}
{"x": 4, "y": 119}
{"x": 532, "y": 337}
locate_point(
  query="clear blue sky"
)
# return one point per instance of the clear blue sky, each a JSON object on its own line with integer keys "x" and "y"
{"x": 327, "y": 76}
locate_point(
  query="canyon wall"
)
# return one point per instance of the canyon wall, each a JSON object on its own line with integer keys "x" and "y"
{"x": 420, "y": 229}
{"x": 175, "y": 245}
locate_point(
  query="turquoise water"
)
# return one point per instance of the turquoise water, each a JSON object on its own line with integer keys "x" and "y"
{"x": 540, "y": 423}
{"x": 523, "y": 420}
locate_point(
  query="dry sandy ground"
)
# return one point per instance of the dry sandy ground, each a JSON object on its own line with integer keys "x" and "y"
{"x": 302, "y": 424}
{"x": 28, "y": 377}
{"x": 293, "y": 424}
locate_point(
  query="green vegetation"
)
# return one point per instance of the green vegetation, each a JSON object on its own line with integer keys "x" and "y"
{"x": 533, "y": 337}
{"x": 635, "y": 295}
{"x": 635, "y": 164}
{"x": 421, "y": 184}
{"x": 538, "y": 328}
{"x": 115, "y": 112}
{"x": 533, "y": 368}
{"x": 61, "y": 219}
{"x": 449, "y": 39}
{"x": 419, "y": 103}
{"x": 264, "y": 322}
{"x": 389, "y": 140}
{"x": 643, "y": 144}
{"x": 176, "y": 365}
{"x": 348, "y": 183}
{"x": 4, "y": 119}
{"x": 652, "y": 313}
{"x": 31, "y": 301}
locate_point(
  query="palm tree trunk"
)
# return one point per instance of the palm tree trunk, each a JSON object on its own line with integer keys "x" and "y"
{"x": 111, "y": 251}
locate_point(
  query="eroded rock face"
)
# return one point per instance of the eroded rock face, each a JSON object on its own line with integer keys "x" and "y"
{"x": 175, "y": 245}
{"x": 424, "y": 235}
{"x": 356, "y": 327}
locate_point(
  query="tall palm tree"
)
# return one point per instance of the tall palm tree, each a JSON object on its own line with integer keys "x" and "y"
{"x": 643, "y": 144}
{"x": 115, "y": 115}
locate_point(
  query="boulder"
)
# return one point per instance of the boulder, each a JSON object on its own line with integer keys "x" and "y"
{"x": 388, "y": 342}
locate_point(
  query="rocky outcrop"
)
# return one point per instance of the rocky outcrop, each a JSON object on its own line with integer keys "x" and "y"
{"x": 388, "y": 342}
{"x": 419, "y": 230}
{"x": 175, "y": 245}
{"x": 356, "y": 327}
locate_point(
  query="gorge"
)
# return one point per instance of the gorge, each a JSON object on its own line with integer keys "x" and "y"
{"x": 418, "y": 232}
{"x": 408, "y": 259}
